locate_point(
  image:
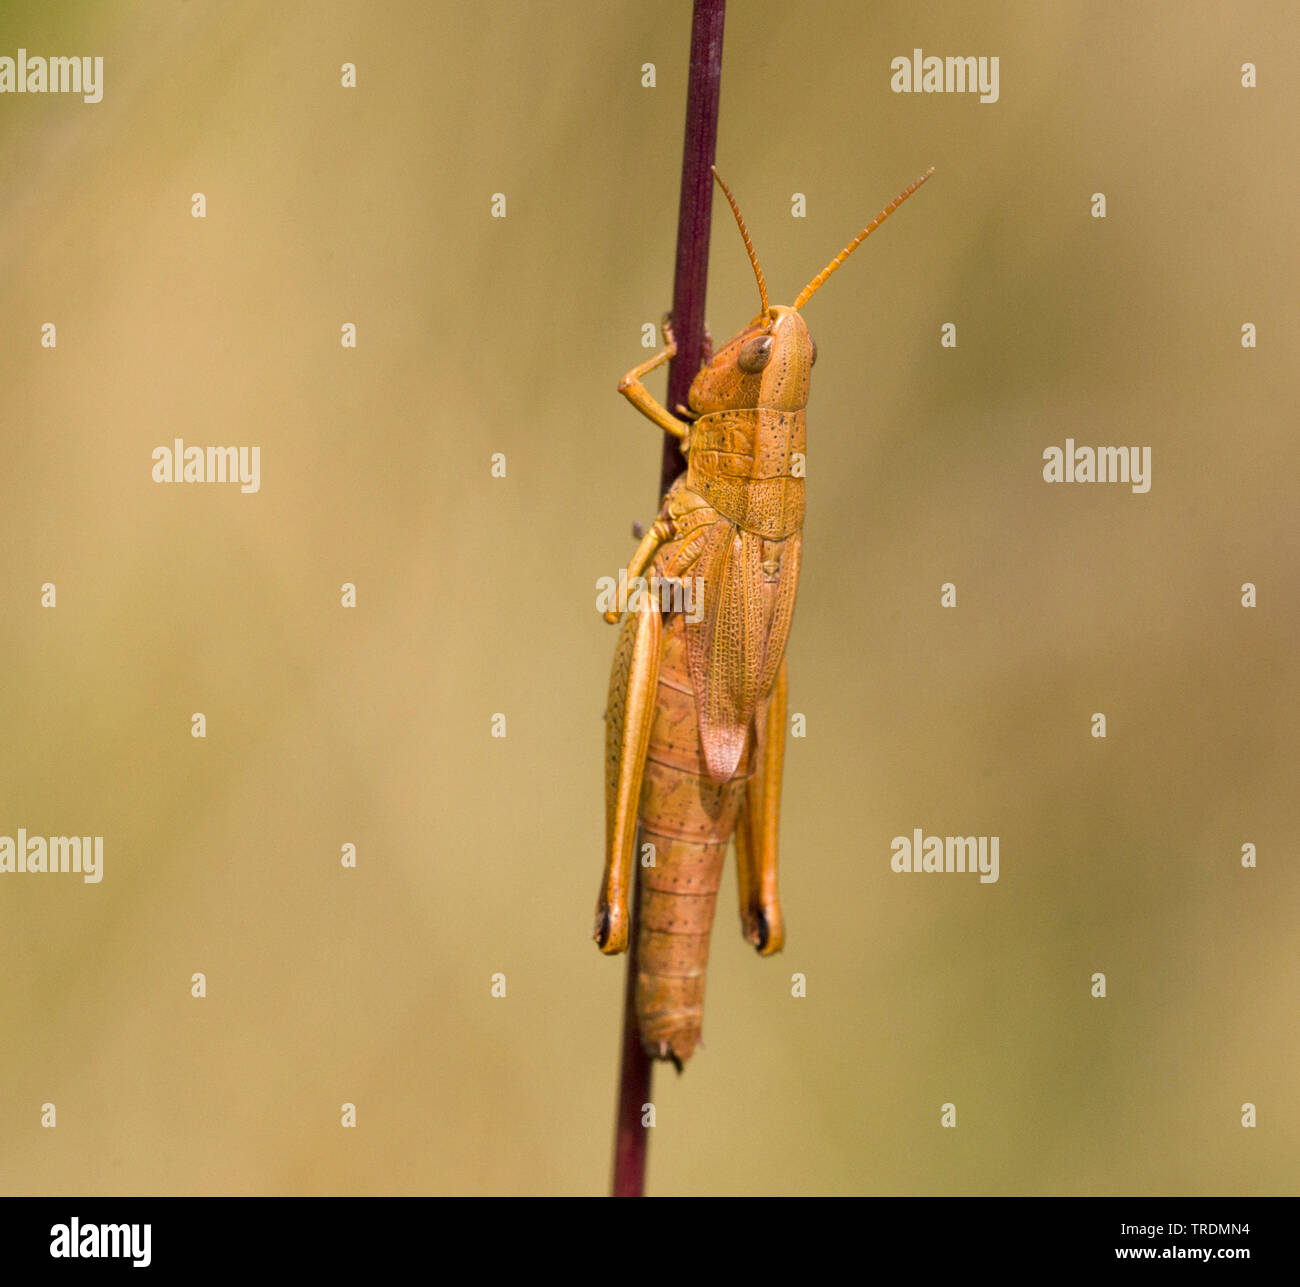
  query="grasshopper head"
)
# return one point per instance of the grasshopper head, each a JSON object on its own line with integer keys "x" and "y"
{"x": 765, "y": 365}
{"x": 768, "y": 364}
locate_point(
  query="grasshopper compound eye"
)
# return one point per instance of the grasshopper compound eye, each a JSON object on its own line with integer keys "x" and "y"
{"x": 755, "y": 354}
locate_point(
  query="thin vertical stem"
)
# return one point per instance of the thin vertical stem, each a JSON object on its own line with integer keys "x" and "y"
{"x": 634, "y": 1078}
{"x": 690, "y": 279}
{"x": 695, "y": 210}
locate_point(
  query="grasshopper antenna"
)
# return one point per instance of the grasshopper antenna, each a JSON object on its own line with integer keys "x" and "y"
{"x": 744, "y": 232}
{"x": 811, "y": 289}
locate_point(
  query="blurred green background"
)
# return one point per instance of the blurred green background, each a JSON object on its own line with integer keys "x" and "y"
{"x": 477, "y": 595}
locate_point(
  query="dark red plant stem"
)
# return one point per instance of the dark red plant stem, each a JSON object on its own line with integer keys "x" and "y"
{"x": 634, "y": 1077}
{"x": 695, "y": 210}
{"x": 690, "y": 279}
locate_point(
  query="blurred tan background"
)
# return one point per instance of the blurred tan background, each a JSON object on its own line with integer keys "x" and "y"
{"x": 477, "y": 595}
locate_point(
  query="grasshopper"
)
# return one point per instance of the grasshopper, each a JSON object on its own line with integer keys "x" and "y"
{"x": 695, "y": 723}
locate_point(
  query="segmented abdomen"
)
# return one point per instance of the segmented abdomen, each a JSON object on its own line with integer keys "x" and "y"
{"x": 689, "y": 819}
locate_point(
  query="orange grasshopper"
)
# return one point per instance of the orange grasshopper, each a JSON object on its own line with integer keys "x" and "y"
{"x": 695, "y": 724}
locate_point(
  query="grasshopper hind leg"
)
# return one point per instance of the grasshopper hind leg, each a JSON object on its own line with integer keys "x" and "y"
{"x": 756, "y": 831}
{"x": 633, "y": 683}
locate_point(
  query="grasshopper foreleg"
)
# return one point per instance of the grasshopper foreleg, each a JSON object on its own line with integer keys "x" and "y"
{"x": 638, "y": 395}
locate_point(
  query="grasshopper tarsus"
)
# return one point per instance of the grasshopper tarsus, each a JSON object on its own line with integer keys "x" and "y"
{"x": 669, "y": 1055}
